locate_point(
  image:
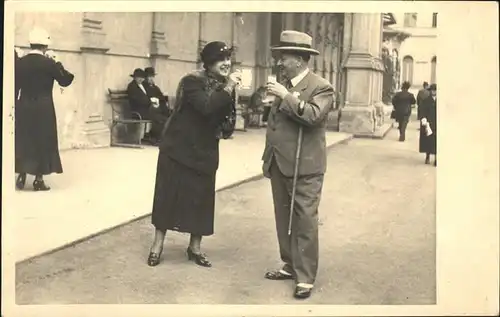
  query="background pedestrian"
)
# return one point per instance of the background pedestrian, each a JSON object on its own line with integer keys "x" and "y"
{"x": 428, "y": 121}
{"x": 402, "y": 102}
{"x": 36, "y": 140}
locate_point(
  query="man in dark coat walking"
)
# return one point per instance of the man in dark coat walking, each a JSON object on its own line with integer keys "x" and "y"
{"x": 159, "y": 110}
{"x": 36, "y": 141}
{"x": 421, "y": 96}
{"x": 402, "y": 102}
{"x": 428, "y": 127}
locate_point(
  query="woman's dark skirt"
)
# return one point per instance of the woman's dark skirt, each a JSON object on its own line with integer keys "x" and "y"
{"x": 184, "y": 199}
{"x": 427, "y": 144}
{"x": 36, "y": 142}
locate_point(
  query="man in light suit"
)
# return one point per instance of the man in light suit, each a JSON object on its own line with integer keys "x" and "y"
{"x": 302, "y": 99}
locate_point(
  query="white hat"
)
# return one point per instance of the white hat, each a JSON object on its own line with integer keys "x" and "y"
{"x": 39, "y": 36}
{"x": 295, "y": 41}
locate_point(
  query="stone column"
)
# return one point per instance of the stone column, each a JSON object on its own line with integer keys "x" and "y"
{"x": 264, "y": 61}
{"x": 322, "y": 38}
{"x": 310, "y": 28}
{"x": 289, "y": 21}
{"x": 330, "y": 48}
{"x": 93, "y": 49}
{"x": 299, "y": 21}
{"x": 378, "y": 23}
{"x": 202, "y": 39}
{"x": 363, "y": 111}
{"x": 159, "y": 47}
{"x": 235, "y": 40}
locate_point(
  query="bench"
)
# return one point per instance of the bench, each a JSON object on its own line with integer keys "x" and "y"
{"x": 252, "y": 116}
{"x": 255, "y": 117}
{"x": 123, "y": 116}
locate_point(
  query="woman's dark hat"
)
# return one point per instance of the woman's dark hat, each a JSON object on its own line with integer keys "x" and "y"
{"x": 433, "y": 87}
{"x": 139, "y": 73}
{"x": 150, "y": 71}
{"x": 214, "y": 52}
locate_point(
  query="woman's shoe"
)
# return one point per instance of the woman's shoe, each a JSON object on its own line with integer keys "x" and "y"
{"x": 427, "y": 160}
{"x": 154, "y": 259}
{"x": 40, "y": 186}
{"x": 200, "y": 259}
{"x": 435, "y": 162}
{"x": 21, "y": 181}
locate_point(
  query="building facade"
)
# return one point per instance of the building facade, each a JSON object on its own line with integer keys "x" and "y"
{"x": 417, "y": 55}
{"x": 102, "y": 50}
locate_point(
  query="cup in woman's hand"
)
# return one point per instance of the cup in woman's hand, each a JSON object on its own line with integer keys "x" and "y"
{"x": 235, "y": 77}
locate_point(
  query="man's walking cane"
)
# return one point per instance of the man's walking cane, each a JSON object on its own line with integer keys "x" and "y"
{"x": 295, "y": 174}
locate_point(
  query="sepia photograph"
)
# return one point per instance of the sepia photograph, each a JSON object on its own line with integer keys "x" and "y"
{"x": 225, "y": 158}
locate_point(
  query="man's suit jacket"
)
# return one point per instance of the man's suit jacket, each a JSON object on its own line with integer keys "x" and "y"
{"x": 155, "y": 91}
{"x": 402, "y": 102}
{"x": 283, "y": 127}
{"x": 138, "y": 100}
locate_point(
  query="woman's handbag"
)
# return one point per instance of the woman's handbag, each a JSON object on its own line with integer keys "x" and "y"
{"x": 393, "y": 114}
{"x": 226, "y": 128}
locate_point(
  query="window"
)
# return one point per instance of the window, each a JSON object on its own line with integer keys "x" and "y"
{"x": 410, "y": 20}
{"x": 434, "y": 20}
{"x": 433, "y": 70}
{"x": 407, "y": 69}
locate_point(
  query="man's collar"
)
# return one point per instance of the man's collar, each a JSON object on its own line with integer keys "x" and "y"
{"x": 297, "y": 79}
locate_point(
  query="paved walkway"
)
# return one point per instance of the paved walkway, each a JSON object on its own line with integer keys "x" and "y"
{"x": 103, "y": 188}
{"x": 377, "y": 244}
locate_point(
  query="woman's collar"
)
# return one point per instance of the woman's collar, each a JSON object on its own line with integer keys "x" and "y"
{"x": 215, "y": 76}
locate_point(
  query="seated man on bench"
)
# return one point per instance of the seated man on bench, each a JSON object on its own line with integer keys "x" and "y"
{"x": 159, "y": 111}
{"x": 138, "y": 97}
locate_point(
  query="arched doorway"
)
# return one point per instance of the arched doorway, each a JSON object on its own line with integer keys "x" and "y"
{"x": 408, "y": 69}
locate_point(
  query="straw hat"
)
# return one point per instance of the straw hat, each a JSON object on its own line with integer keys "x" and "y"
{"x": 295, "y": 41}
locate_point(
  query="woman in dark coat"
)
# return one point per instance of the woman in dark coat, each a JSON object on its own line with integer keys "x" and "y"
{"x": 16, "y": 89}
{"x": 36, "y": 143}
{"x": 428, "y": 143}
{"x": 402, "y": 102}
{"x": 184, "y": 197}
